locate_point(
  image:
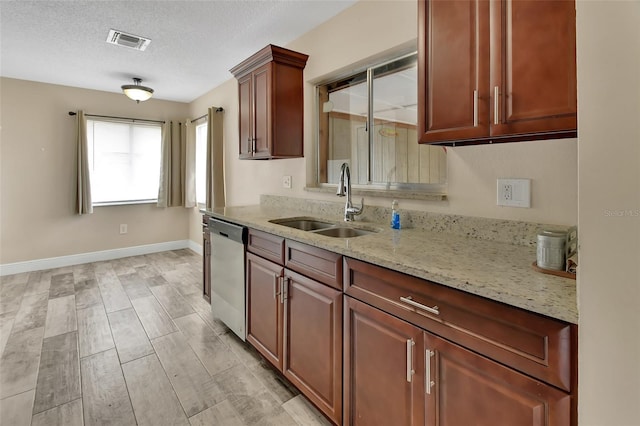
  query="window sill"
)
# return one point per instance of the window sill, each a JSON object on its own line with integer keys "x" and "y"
{"x": 124, "y": 203}
{"x": 402, "y": 194}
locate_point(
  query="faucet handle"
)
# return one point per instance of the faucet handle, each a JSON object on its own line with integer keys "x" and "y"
{"x": 357, "y": 210}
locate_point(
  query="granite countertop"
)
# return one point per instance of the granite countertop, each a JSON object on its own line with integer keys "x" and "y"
{"x": 496, "y": 270}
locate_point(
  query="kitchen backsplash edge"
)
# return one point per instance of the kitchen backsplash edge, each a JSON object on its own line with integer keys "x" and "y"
{"x": 499, "y": 230}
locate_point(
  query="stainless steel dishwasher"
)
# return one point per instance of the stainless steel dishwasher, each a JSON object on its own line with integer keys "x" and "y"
{"x": 228, "y": 243}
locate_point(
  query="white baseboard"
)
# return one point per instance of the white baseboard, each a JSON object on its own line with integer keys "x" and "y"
{"x": 96, "y": 256}
{"x": 195, "y": 247}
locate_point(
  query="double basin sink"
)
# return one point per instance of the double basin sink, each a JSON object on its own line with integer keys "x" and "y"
{"x": 321, "y": 227}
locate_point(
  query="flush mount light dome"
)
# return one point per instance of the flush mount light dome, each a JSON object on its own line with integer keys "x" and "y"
{"x": 136, "y": 91}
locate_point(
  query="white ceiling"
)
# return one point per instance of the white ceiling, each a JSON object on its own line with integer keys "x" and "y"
{"x": 193, "y": 43}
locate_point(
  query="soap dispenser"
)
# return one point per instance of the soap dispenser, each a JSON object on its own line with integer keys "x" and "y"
{"x": 395, "y": 215}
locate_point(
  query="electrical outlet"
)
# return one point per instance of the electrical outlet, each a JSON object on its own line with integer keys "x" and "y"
{"x": 123, "y": 228}
{"x": 514, "y": 192}
{"x": 286, "y": 182}
{"x": 507, "y": 190}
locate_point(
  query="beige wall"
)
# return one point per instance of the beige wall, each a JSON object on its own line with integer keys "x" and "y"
{"x": 37, "y": 176}
{"x": 609, "y": 159}
{"x": 354, "y": 36}
{"x": 609, "y": 185}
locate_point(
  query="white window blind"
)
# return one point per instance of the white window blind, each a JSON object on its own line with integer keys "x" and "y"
{"x": 124, "y": 161}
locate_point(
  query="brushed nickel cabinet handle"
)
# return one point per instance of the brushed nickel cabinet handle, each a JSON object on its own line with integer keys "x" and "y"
{"x": 254, "y": 145}
{"x": 276, "y": 286}
{"x": 428, "y": 383}
{"x": 475, "y": 108}
{"x": 496, "y": 105}
{"x": 285, "y": 288}
{"x": 409, "y": 301}
{"x": 410, "y": 370}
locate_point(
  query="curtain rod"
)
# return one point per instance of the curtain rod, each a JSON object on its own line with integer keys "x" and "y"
{"x": 119, "y": 118}
{"x": 219, "y": 109}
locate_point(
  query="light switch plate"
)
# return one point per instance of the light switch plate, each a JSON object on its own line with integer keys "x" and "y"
{"x": 514, "y": 192}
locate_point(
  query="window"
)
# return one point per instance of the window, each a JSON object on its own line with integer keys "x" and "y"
{"x": 201, "y": 163}
{"x": 382, "y": 98}
{"x": 124, "y": 161}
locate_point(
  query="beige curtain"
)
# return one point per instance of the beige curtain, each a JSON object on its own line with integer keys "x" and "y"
{"x": 84, "y": 205}
{"x": 190, "y": 166}
{"x": 172, "y": 166}
{"x": 215, "y": 159}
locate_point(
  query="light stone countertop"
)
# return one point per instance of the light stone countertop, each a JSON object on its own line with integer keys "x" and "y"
{"x": 496, "y": 270}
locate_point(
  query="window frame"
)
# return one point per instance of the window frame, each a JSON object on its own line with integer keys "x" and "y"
{"x": 149, "y": 123}
{"x": 196, "y": 125}
{"x": 396, "y": 189}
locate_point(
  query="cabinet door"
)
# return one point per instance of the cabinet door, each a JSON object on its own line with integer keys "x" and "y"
{"x": 264, "y": 308}
{"x": 463, "y": 388}
{"x": 453, "y": 70}
{"x": 313, "y": 342}
{"x": 262, "y": 111}
{"x": 383, "y": 371}
{"x": 245, "y": 88}
{"x": 533, "y": 66}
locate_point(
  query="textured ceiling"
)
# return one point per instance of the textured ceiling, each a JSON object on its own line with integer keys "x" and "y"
{"x": 193, "y": 43}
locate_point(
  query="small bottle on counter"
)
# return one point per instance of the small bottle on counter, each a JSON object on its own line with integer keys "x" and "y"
{"x": 395, "y": 215}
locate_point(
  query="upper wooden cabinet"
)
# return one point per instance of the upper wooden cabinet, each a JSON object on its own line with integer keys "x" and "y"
{"x": 496, "y": 71}
{"x": 270, "y": 93}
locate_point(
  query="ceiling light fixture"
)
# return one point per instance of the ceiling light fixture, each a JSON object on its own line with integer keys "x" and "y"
{"x": 136, "y": 91}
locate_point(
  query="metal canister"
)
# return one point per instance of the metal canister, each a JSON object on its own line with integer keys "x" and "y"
{"x": 551, "y": 250}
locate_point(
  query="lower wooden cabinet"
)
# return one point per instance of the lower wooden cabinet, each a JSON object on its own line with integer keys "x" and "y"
{"x": 468, "y": 389}
{"x": 396, "y": 373}
{"x": 264, "y": 308}
{"x": 402, "y": 351}
{"x": 296, "y": 324}
{"x": 382, "y": 368}
{"x": 313, "y": 341}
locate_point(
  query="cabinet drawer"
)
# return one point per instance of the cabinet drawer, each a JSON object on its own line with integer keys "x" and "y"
{"x": 533, "y": 344}
{"x": 319, "y": 264}
{"x": 266, "y": 245}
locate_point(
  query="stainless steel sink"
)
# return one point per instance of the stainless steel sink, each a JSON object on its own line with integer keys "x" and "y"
{"x": 304, "y": 224}
{"x": 344, "y": 232}
{"x": 321, "y": 227}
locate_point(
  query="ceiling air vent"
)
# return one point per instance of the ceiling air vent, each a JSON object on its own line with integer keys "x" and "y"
{"x": 127, "y": 40}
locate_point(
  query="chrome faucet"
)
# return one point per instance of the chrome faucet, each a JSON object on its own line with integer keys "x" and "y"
{"x": 344, "y": 188}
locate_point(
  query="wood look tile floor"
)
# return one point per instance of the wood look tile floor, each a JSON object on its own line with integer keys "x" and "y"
{"x": 131, "y": 341}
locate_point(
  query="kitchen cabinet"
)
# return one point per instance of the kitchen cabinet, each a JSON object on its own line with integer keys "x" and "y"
{"x": 295, "y": 321}
{"x": 382, "y": 381}
{"x": 270, "y": 92}
{"x": 469, "y": 389}
{"x": 496, "y": 71}
{"x": 452, "y": 356}
{"x": 206, "y": 259}
{"x": 395, "y": 373}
